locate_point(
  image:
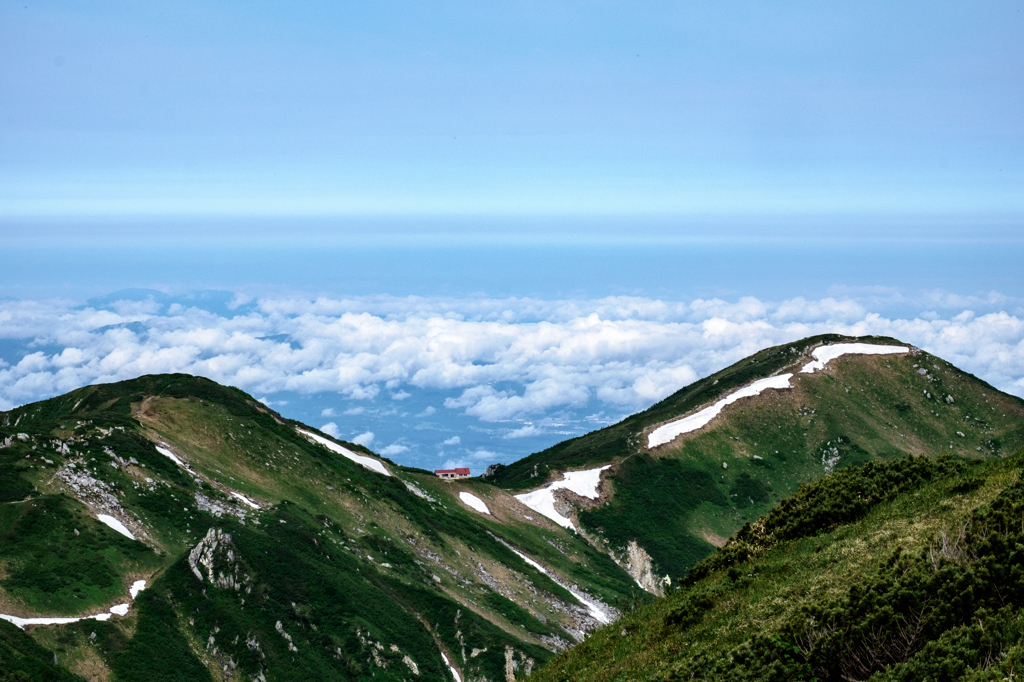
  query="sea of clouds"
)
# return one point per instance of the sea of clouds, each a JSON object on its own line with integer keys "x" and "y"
{"x": 496, "y": 360}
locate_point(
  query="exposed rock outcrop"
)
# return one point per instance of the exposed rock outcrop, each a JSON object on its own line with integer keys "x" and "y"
{"x": 215, "y": 556}
{"x": 641, "y": 569}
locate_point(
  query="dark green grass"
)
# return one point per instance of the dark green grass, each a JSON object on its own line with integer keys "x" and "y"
{"x": 108, "y": 639}
{"x": 53, "y": 570}
{"x": 158, "y": 652}
{"x": 332, "y": 603}
{"x": 589, "y": 567}
{"x": 13, "y": 486}
{"x": 903, "y": 394}
{"x": 514, "y": 613}
{"x": 302, "y": 578}
{"x": 652, "y": 500}
{"x": 321, "y": 602}
{"x": 22, "y": 660}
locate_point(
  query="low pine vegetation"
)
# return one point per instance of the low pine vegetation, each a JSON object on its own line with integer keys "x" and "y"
{"x": 816, "y": 509}
{"x": 906, "y": 570}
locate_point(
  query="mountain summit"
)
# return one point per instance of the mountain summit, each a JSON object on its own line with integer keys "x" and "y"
{"x": 171, "y": 528}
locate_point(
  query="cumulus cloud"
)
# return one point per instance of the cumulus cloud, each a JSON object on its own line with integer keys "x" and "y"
{"x": 364, "y": 439}
{"x": 394, "y": 449}
{"x": 400, "y": 395}
{"x": 454, "y": 440}
{"x": 427, "y": 412}
{"x": 497, "y": 359}
{"x": 523, "y": 432}
{"x": 329, "y": 412}
{"x": 331, "y": 429}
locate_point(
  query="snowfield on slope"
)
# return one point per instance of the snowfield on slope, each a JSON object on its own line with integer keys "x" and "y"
{"x": 242, "y": 498}
{"x": 118, "y": 610}
{"x": 669, "y": 432}
{"x": 594, "y": 607}
{"x": 163, "y": 450}
{"x": 474, "y": 502}
{"x": 822, "y": 355}
{"x": 109, "y": 520}
{"x": 368, "y": 462}
{"x": 583, "y": 483}
{"x": 455, "y": 673}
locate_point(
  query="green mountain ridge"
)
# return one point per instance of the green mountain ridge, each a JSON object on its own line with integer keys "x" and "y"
{"x": 269, "y": 555}
{"x": 367, "y": 574}
{"x": 674, "y": 504}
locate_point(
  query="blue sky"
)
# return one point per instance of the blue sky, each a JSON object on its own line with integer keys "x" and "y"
{"x": 461, "y": 232}
{"x": 524, "y": 108}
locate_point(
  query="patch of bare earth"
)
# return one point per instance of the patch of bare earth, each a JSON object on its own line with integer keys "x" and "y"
{"x": 88, "y": 664}
{"x": 712, "y": 538}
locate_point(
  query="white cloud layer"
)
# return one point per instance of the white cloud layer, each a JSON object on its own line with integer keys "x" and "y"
{"x": 500, "y": 359}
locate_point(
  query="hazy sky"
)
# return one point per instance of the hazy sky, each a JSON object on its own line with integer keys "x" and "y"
{"x": 510, "y": 108}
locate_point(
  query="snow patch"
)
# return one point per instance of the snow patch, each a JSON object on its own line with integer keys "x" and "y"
{"x": 22, "y": 622}
{"x": 583, "y": 483}
{"x": 455, "y": 673}
{"x": 474, "y": 502}
{"x": 592, "y": 606}
{"x": 824, "y": 354}
{"x": 115, "y": 524}
{"x": 243, "y": 498}
{"x": 368, "y": 462}
{"x": 669, "y": 432}
{"x": 118, "y": 610}
{"x": 170, "y": 455}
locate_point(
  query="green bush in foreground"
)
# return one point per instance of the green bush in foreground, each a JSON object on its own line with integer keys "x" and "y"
{"x": 953, "y": 611}
{"x": 820, "y": 507}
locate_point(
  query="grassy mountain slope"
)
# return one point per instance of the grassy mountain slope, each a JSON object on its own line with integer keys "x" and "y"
{"x": 906, "y": 570}
{"x": 341, "y": 572}
{"x": 681, "y": 500}
{"x": 622, "y": 439}
{"x": 271, "y": 556}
